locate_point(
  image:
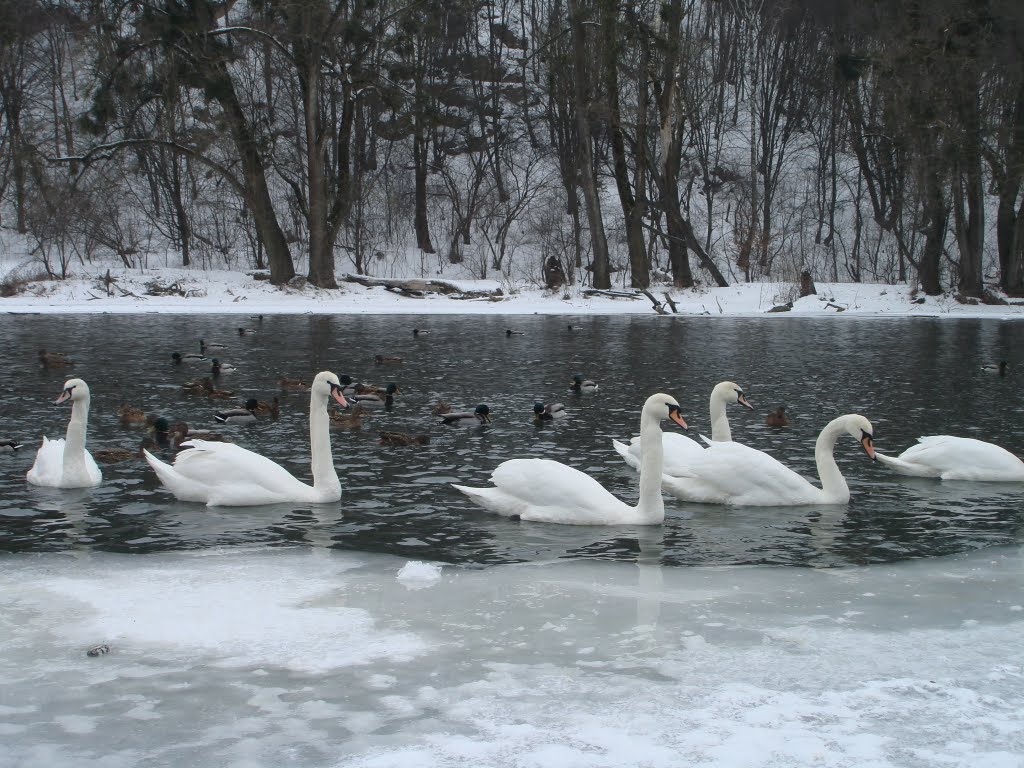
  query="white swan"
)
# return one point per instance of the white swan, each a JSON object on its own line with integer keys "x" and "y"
{"x": 550, "y": 492}
{"x": 65, "y": 463}
{"x": 732, "y": 473}
{"x": 680, "y": 450}
{"x": 956, "y": 458}
{"x": 227, "y": 475}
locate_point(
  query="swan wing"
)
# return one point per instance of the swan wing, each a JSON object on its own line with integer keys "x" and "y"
{"x": 733, "y": 473}
{"x": 957, "y": 458}
{"x": 48, "y": 467}
{"x": 547, "y": 491}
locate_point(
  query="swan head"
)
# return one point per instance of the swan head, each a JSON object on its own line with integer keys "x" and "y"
{"x": 662, "y": 406}
{"x": 74, "y": 390}
{"x": 731, "y": 393}
{"x": 327, "y": 385}
{"x": 860, "y": 430}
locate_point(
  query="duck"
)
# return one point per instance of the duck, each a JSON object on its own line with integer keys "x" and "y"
{"x": 735, "y": 474}
{"x": 420, "y": 332}
{"x": 374, "y": 399}
{"x": 271, "y": 409}
{"x": 350, "y": 420}
{"x": 548, "y": 491}
{"x": 947, "y": 457}
{"x": 510, "y": 332}
{"x": 292, "y": 385}
{"x": 246, "y": 331}
{"x": 196, "y": 386}
{"x": 402, "y": 439}
{"x": 680, "y": 449}
{"x": 130, "y": 416}
{"x": 190, "y": 358}
{"x": 244, "y": 415}
{"x": 348, "y": 386}
{"x": 65, "y": 463}
{"x": 213, "y": 346}
{"x": 54, "y": 359}
{"x": 480, "y": 415}
{"x": 226, "y": 475}
{"x": 182, "y": 432}
{"x": 996, "y": 368}
{"x": 214, "y": 393}
{"x": 777, "y": 418}
{"x": 579, "y": 384}
{"x": 441, "y": 408}
{"x": 384, "y": 360}
{"x": 549, "y": 412}
{"x": 9, "y": 446}
{"x": 115, "y": 455}
{"x": 217, "y": 367}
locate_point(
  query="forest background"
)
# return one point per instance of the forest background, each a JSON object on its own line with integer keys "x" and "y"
{"x": 561, "y": 141}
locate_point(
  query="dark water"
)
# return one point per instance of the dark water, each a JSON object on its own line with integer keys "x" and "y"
{"x": 910, "y": 377}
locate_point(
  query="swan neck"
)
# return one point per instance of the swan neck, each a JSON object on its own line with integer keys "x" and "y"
{"x": 832, "y": 481}
{"x": 325, "y": 477}
{"x": 74, "y": 438}
{"x": 720, "y": 431}
{"x": 651, "y": 504}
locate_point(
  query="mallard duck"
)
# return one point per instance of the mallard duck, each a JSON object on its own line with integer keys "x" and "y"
{"x": 160, "y": 429}
{"x": 271, "y": 409}
{"x": 778, "y": 418}
{"x": 383, "y": 360}
{"x": 116, "y": 455}
{"x": 348, "y": 386}
{"x": 419, "y": 332}
{"x": 549, "y": 412}
{"x": 441, "y": 408}
{"x": 244, "y": 415}
{"x": 374, "y": 399}
{"x": 213, "y": 346}
{"x": 131, "y": 416}
{"x": 9, "y": 446}
{"x": 181, "y": 432}
{"x": 996, "y": 368}
{"x": 246, "y": 331}
{"x": 510, "y": 332}
{"x": 196, "y": 386}
{"x": 579, "y": 384}
{"x": 292, "y": 385}
{"x": 480, "y": 415}
{"x": 402, "y": 439}
{"x": 190, "y": 358}
{"x": 217, "y": 367}
{"x": 351, "y": 420}
{"x": 54, "y": 359}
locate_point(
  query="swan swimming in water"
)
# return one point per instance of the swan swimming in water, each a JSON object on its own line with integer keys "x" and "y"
{"x": 956, "y": 458}
{"x": 550, "y": 492}
{"x": 736, "y": 474}
{"x": 65, "y": 463}
{"x": 680, "y": 450}
{"x": 227, "y": 475}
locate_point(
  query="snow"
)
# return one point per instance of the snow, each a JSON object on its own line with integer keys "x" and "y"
{"x": 233, "y": 292}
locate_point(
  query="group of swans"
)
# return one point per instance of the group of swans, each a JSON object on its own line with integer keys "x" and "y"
{"x": 723, "y": 472}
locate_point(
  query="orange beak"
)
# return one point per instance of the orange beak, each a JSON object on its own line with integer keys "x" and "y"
{"x": 868, "y": 447}
{"x": 678, "y": 419}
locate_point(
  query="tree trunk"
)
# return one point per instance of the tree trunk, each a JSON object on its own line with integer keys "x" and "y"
{"x": 419, "y": 160}
{"x": 935, "y": 215}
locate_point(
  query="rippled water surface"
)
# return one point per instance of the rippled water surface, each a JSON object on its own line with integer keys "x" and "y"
{"x": 910, "y": 377}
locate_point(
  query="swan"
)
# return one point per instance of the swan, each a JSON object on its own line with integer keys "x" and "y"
{"x": 732, "y": 473}
{"x": 680, "y": 450}
{"x": 227, "y": 475}
{"x": 548, "y": 491}
{"x": 65, "y": 463}
{"x": 956, "y": 458}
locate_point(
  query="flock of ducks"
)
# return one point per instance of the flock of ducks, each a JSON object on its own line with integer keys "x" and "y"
{"x": 718, "y": 470}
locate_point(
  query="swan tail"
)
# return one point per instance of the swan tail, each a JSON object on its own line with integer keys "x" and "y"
{"x": 493, "y": 500}
{"x": 182, "y": 488}
{"x": 623, "y": 450}
{"x": 905, "y": 467}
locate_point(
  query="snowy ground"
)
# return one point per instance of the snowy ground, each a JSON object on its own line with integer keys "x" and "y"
{"x": 235, "y": 292}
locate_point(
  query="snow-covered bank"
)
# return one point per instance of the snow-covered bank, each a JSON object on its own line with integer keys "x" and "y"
{"x": 229, "y": 292}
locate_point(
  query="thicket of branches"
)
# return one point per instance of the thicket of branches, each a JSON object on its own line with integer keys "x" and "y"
{"x": 685, "y": 140}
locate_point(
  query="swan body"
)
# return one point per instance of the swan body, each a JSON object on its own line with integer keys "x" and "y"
{"x": 679, "y": 449}
{"x": 480, "y": 415}
{"x": 65, "y": 463}
{"x": 736, "y": 474}
{"x": 227, "y": 475}
{"x": 956, "y": 458}
{"x": 548, "y": 491}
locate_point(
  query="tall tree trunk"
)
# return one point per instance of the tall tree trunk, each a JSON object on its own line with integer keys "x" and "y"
{"x": 420, "y": 152}
{"x": 935, "y": 215}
